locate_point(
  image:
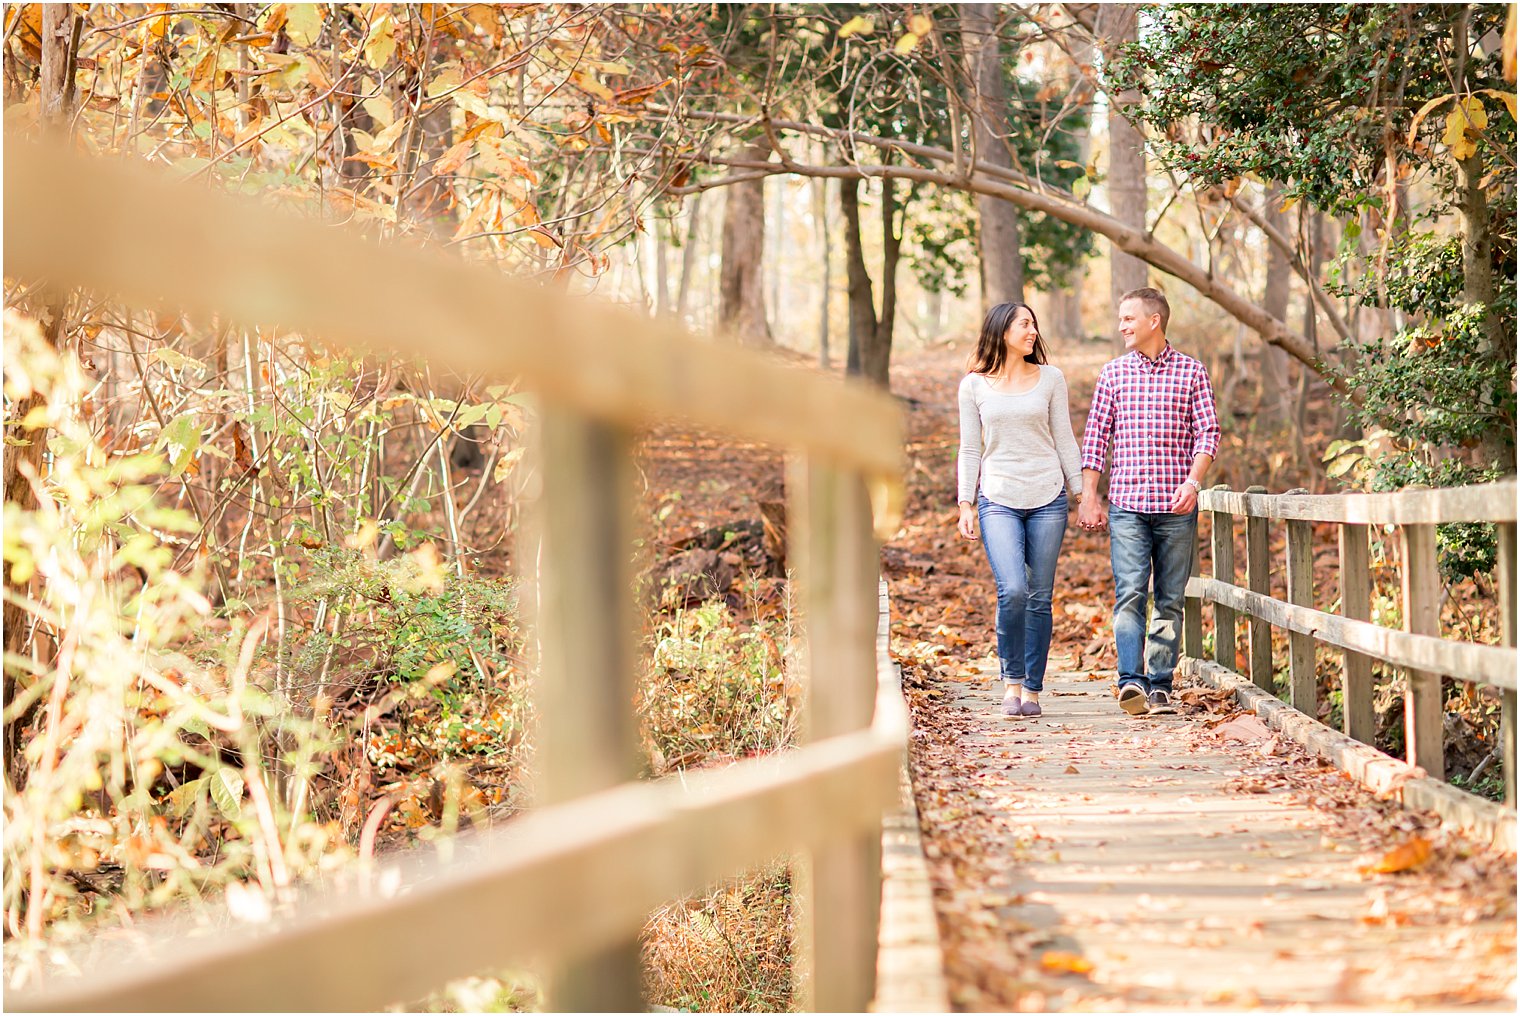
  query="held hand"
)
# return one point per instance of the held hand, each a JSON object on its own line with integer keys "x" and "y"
{"x": 1090, "y": 514}
{"x": 967, "y": 524}
{"x": 1185, "y": 500}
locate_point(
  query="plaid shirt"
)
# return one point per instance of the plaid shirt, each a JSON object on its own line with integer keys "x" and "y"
{"x": 1158, "y": 414}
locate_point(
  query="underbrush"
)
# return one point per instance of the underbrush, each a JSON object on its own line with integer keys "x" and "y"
{"x": 169, "y": 744}
{"x": 715, "y": 689}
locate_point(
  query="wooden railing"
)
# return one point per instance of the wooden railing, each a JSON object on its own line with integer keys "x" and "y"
{"x": 1421, "y": 649}
{"x": 571, "y": 882}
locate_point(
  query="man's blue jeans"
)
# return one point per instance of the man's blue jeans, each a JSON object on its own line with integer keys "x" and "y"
{"x": 1143, "y": 545}
{"x": 1022, "y": 546}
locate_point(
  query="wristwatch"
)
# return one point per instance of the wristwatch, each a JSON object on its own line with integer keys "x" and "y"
{"x": 1196, "y": 486}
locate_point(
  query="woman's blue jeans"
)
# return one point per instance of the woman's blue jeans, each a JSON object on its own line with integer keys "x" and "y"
{"x": 1151, "y": 553}
{"x": 1022, "y": 547}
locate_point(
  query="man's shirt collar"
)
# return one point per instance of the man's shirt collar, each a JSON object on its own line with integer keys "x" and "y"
{"x": 1162, "y": 358}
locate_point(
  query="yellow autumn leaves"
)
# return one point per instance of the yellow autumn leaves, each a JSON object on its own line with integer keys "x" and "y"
{"x": 1462, "y": 127}
{"x": 1466, "y": 121}
{"x": 919, "y": 25}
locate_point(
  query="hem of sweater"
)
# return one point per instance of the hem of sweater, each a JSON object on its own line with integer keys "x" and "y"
{"x": 1026, "y": 507}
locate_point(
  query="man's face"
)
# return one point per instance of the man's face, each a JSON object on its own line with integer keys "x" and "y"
{"x": 1136, "y": 327}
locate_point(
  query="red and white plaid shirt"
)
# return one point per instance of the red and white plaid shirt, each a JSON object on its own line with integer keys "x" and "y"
{"x": 1158, "y": 414}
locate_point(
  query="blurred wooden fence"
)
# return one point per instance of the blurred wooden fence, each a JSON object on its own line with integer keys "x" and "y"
{"x": 1421, "y": 649}
{"x": 573, "y": 881}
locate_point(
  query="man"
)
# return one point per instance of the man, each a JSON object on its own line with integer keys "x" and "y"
{"x": 1155, "y": 408}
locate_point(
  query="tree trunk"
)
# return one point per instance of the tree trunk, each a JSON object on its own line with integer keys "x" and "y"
{"x": 688, "y": 255}
{"x": 742, "y": 286}
{"x": 857, "y": 279}
{"x": 876, "y": 355}
{"x": 1274, "y": 404}
{"x": 1497, "y": 448}
{"x": 23, "y": 463}
{"x": 821, "y": 217}
{"x": 1066, "y": 302}
{"x": 775, "y": 278}
{"x": 1117, "y": 26}
{"x": 870, "y": 353}
{"x": 661, "y": 267}
{"x": 1002, "y": 261}
{"x": 1306, "y": 459}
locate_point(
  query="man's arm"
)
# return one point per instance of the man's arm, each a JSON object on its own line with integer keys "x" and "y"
{"x": 1186, "y": 497}
{"x": 1095, "y": 440}
{"x": 1206, "y": 433}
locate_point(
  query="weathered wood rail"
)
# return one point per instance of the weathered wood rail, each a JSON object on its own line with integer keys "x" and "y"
{"x": 573, "y": 881}
{"x": 1421, "y": 649}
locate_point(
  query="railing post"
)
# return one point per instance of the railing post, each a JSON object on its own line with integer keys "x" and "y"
{"x": 1192, "y": 618}
{"x": 1224, "y": 571}
{"x": 1422, "y": 616}
{"x": 1506, "y": 535}
{"x": 1258, "y": 571}
{"x": 837, "y": 891}
{"x": 1302, "y": 685}
{"x": 1356, "y": 604}
{"x": 587, "y": 731}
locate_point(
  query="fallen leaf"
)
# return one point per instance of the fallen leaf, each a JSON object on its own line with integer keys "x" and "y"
{"x": 1056, "y": 962}
{"x": 1410, "y": 854}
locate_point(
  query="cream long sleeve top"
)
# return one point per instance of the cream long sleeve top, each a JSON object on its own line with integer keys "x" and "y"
{"x": 1018, "y": 448}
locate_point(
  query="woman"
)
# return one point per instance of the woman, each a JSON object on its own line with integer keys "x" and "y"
{"x": 1018, "y": 461}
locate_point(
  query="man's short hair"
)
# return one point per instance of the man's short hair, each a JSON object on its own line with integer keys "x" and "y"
{"x": 1154, "y": 300}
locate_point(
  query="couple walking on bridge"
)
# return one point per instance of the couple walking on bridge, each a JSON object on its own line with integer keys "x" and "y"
{"x": 1153, "y": 408}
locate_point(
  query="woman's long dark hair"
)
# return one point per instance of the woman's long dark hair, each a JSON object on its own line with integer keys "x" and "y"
{"x": 992, "y": 348}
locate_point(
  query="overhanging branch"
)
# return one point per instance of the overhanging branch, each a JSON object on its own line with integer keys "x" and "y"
{"x": 1015, "y": 187}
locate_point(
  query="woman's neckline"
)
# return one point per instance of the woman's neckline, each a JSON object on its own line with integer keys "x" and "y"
{"x": 1039, "y": 376}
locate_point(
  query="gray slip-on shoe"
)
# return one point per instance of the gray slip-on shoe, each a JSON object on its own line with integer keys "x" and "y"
{"x": 1132, "y": 700}
{"x": 1161, "y": 703}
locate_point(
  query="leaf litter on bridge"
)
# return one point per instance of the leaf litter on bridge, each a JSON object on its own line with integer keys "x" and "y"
{"x": 1090, "y": 860}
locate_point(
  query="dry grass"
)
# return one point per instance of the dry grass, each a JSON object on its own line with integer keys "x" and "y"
{"x": 727, "y": 950}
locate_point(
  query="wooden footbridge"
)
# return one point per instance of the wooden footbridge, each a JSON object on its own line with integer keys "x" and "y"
{"x": 570, "y": 884}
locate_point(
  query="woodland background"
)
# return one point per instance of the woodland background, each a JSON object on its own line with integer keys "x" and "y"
{"x": 261, "y": 609}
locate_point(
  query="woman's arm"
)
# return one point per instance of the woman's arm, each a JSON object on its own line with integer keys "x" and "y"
{"x": 968, "y": 460}
{"x": 1066, "y": 441}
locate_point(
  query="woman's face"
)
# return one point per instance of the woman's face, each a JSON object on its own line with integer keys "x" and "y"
{"x": 1021, "y": 334}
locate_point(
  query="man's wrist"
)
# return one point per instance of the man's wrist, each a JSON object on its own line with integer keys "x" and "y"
{"x": 1197, "y": 487}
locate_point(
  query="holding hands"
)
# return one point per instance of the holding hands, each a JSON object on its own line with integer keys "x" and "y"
{"x": 1090, "y": 514}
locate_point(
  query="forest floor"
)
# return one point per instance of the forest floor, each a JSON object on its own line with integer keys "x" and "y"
{"x": 1092, "y": 860}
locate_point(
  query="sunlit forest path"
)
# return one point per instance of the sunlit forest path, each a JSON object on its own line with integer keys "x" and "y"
{"x": 1092, "y": 860}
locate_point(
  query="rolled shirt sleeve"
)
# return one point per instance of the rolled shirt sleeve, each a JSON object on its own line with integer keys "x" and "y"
{"x": 1205, "y": 418}
{"x": 1100, "y": 424}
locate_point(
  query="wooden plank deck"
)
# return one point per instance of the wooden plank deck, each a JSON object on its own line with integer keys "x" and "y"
{"x": 1193, "y": 871}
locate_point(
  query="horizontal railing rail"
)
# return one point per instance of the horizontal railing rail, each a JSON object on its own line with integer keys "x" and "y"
{"x": 1465, "y": 661}
{"x": 1483, "y": 502}
{"x": 1421, "y": 648}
